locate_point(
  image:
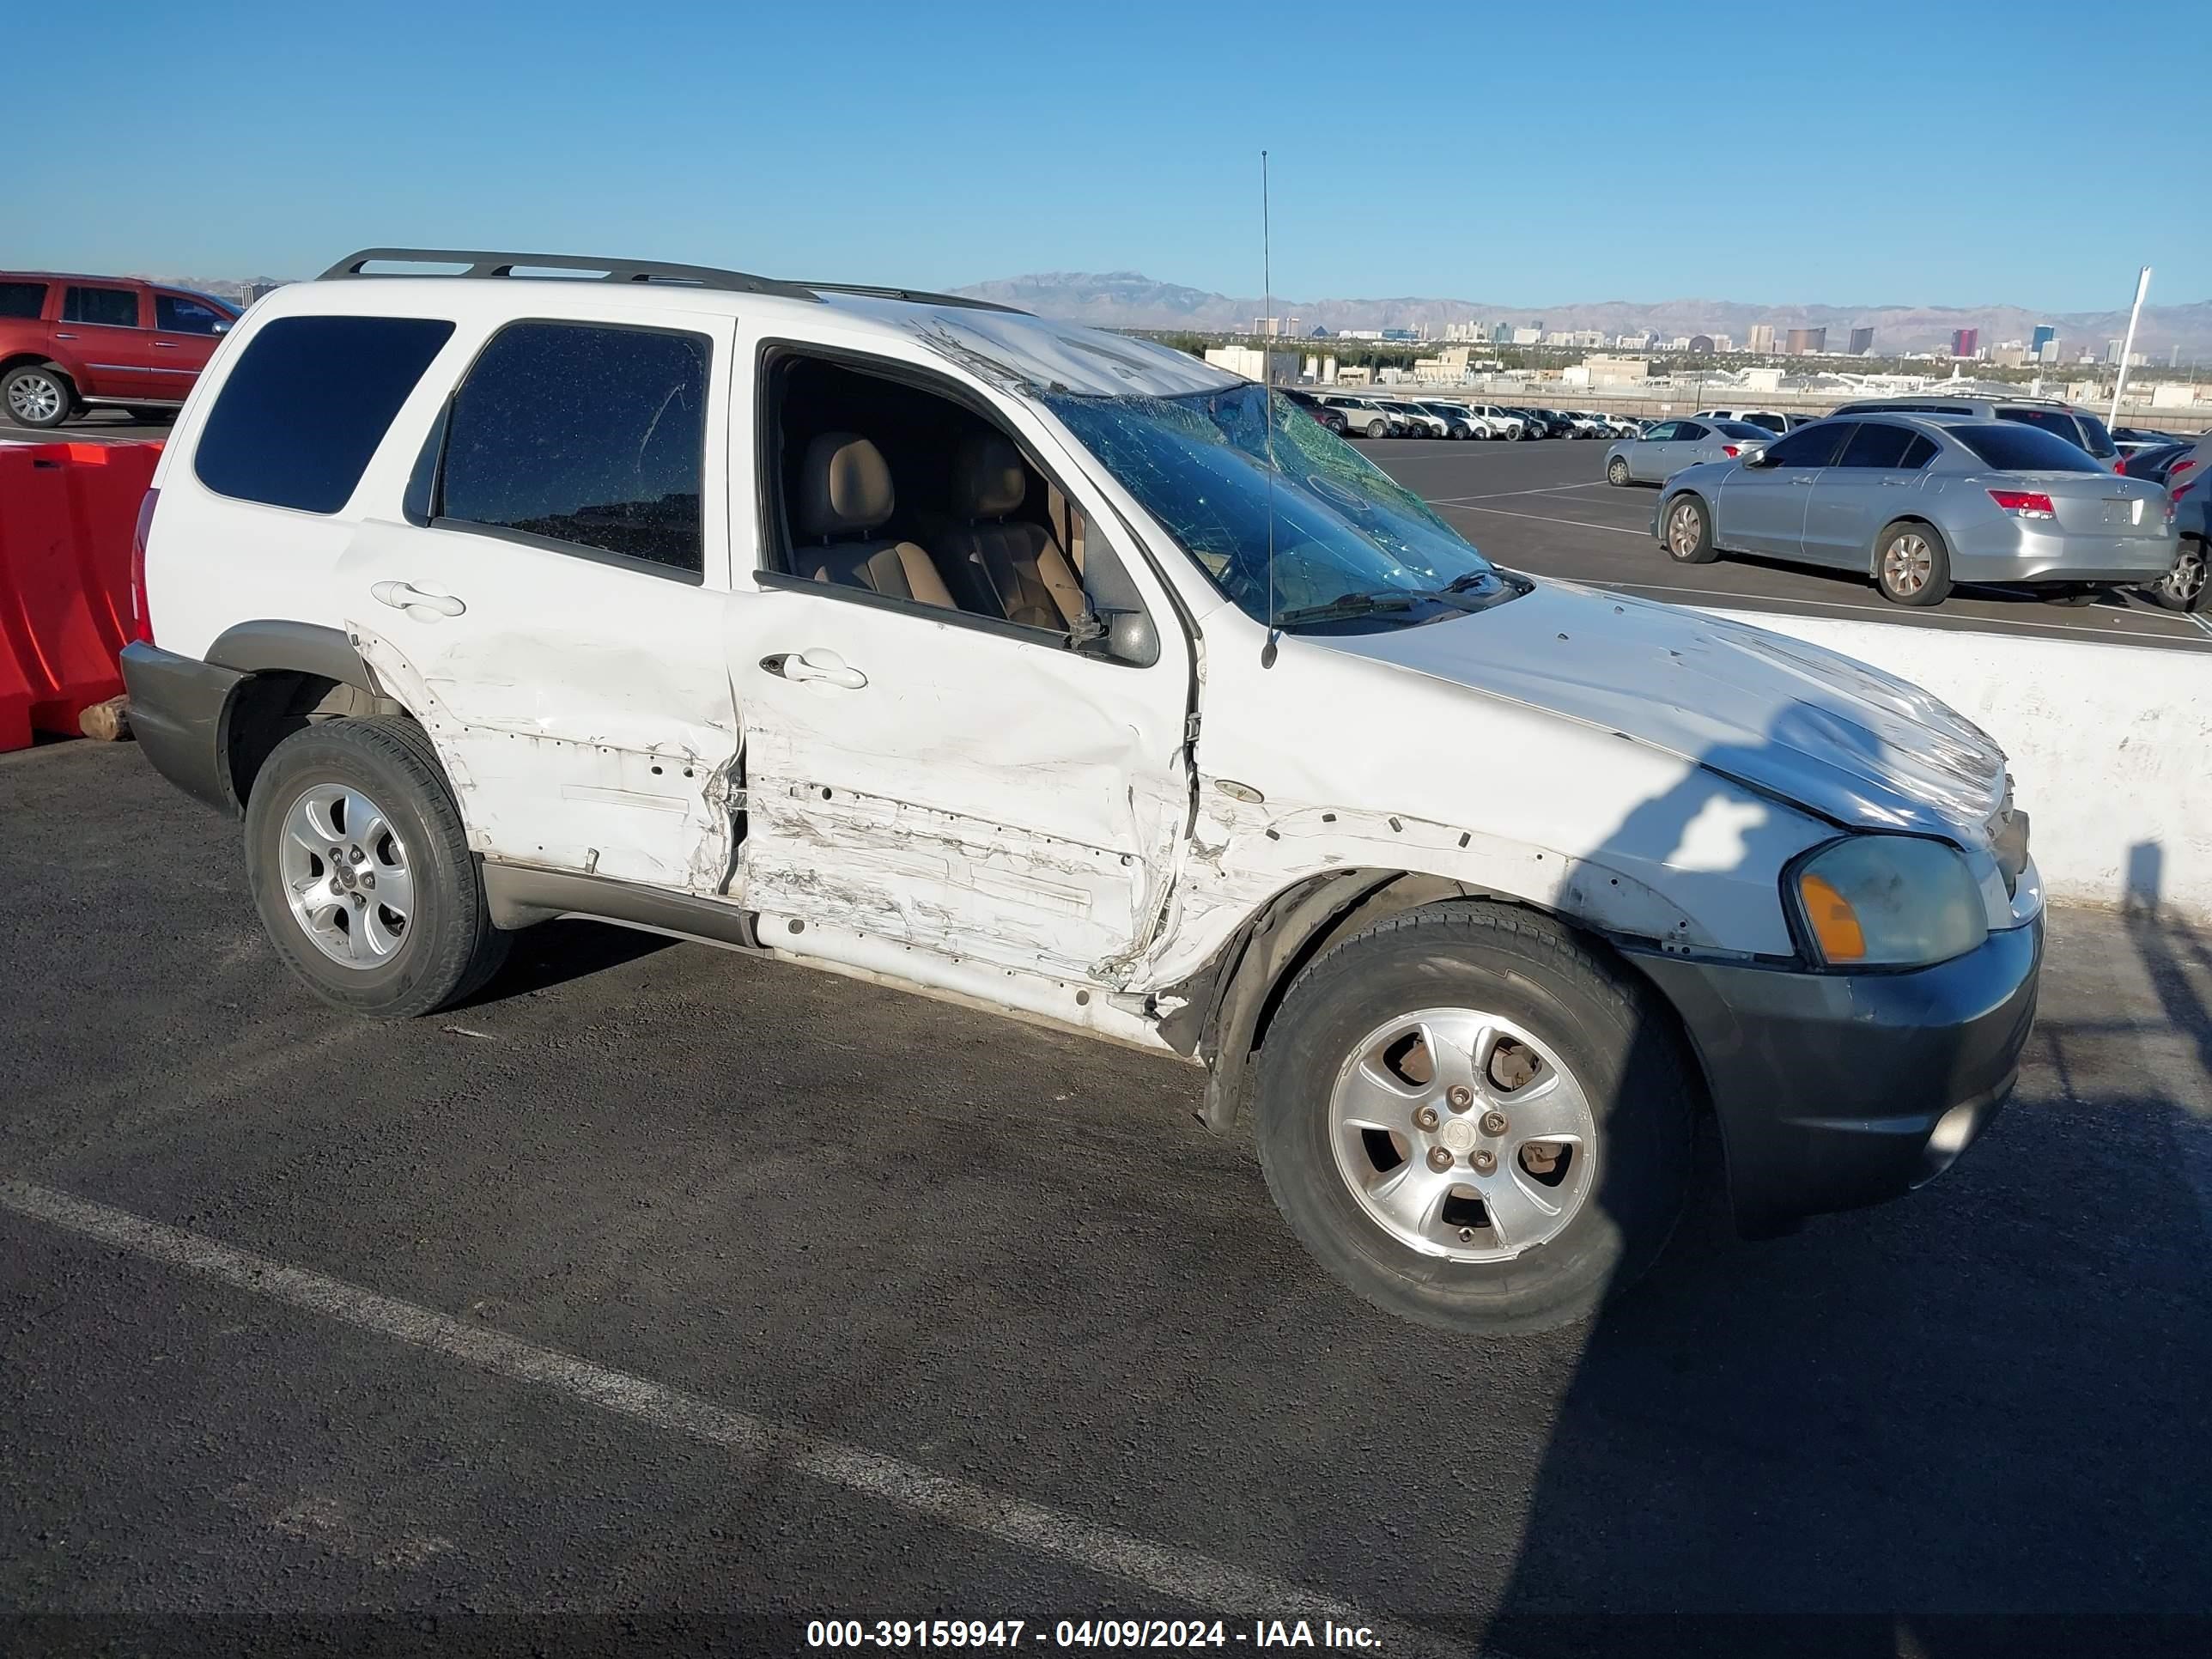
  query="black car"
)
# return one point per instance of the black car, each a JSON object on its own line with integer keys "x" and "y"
{"x": 2154, "y": 461}
{"x": 2132, "y": 440}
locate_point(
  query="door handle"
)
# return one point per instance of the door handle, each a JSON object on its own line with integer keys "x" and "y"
{"x": 165, "y": 345}
{"x": 418, "y": 606}
{"x": 1898, "y": 483}
{"x": 826, "y": 666}
{"x": 1802, "y": 478}
{"x": 59, "y": 335}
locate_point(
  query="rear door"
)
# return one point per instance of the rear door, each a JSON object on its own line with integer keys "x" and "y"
{"x": 551, "y": 601}
{"x": 186, "y": 330}
{"x": 1873, "y": 480}
{"x": 103, "y": 326}
{"x": 1653, "y": 456}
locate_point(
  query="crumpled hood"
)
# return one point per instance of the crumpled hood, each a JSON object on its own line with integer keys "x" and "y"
{"x": 1818, "y": 729}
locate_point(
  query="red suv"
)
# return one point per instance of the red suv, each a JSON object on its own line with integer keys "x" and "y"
{"x": 68, "y": 344}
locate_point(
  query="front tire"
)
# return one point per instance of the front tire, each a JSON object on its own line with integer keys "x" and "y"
{"x": 1473, "y": 1119}
{"x": 1377, "y": 429}
{"x": 38, "y": 396}
{"x": 1616, "y": 471}
{"x": 361, "y": 869}
{"x": 1689, "y": 536}
{"x": 1911, "y": 565}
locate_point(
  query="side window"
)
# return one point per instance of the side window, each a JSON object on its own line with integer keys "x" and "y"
{"x": 892, "y": 488}
{"x": 586, "y": 435}
{"x": 1809, "y": 445}
{"x": 1663, "y": 432}
{"x": 1876, "y": 444}
{"x": 174, "y": 313}
{"x": 1918, "y": 453}
{"x": 2058, "y": 424}
{"x": 108, "y": 308}
{"x": 1688, "y": 431}
{"x": 19, "y": 300}
{"x": 280, "y": 434}
{"x": 1773, "y": 423}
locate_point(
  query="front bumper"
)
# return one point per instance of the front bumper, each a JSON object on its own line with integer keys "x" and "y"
{"x": 1835, "y": 1090}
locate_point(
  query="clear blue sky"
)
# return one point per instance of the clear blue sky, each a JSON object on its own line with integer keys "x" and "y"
{"x": 1933, "y": 152}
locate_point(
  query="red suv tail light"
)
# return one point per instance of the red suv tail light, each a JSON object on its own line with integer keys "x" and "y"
{"x": 141, "y": 618}
{"x": 2023, "y": 503}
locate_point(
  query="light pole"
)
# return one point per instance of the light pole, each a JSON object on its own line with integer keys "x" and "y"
{"x": 2128, "y": 347}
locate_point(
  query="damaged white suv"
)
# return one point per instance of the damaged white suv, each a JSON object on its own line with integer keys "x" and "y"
{"x": 1058, "y": 673}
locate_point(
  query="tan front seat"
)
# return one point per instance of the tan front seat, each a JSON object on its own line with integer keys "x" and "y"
{"x": 1003, "y": 567}
{"x": 845, "y": 491}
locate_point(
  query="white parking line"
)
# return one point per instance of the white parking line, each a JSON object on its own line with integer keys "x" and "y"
{"x": 1181, "y": 1576}
{"x": 1579, "y": 524}
{"x": 1499, "y": 494}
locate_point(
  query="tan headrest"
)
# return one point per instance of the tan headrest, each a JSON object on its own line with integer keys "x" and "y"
{"x": 844, "y": 486}
{"x": 988, "y": 479}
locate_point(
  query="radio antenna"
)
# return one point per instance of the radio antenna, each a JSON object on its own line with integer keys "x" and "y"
{"x": 1267, "y": 391}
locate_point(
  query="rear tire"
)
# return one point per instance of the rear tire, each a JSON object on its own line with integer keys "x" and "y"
{"x": 2183, "y": 587}
{"x": 1689, "y": 536}
{"x": 1377, "y": 429}
{"x": 1616, "y": 471}
{"x": 38, "y": 396}
{"x": 1911, "y": 565}
{"x": 1523, "y": 1246}
{"x": 373, "y": 788}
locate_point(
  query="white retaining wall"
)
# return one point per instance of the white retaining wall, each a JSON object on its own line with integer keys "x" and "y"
{"x": 2110, "y": 747}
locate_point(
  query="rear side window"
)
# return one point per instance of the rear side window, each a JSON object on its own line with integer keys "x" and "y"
{"x": 2056, "y": 422}
{"x": 1688, "y": 432}
{"x": 1874, "y": 445}
{"x": 22, "y": 299}
{"x": 109, "y": 307}
{"x": 2096, "y": 437}
{"x": 2010, "y": 446}
{"x": 300, "y": 415}
{"x": 1772, "y": 423}
{"x": 586, "y": 435}
{"x": 1918, "y": 452}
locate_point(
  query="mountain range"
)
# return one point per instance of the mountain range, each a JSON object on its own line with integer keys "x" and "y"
{"x": 1128, "y": 299}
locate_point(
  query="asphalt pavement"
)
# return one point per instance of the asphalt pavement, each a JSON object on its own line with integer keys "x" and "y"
{"x": 663, "y": 1300}
{"x": 1544, "y": 506}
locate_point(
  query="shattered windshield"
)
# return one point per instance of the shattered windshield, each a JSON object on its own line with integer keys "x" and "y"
{"x": 1229, "y": 471}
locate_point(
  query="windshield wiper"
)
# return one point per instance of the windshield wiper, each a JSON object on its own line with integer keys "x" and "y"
{"x": 1473, "y": 579}
{"x": 1350, "y": 605}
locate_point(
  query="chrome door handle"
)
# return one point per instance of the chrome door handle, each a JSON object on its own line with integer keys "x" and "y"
{"x": 419, "y": 606}
{"x": 165, "y": 345}
{"x": 59, "y": 335}
{"x": 1801, "y": 479}
{"x": 826, "y": 666}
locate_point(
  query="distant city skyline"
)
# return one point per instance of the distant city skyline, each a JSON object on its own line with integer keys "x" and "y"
{"x": 900, "y": 148}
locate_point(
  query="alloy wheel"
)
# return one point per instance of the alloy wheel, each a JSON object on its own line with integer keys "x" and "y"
{"x": 346, "y": 875}
{"x": 1462, "y": 1136}
{"x": 34, "y": 398}
{"x": 1906, "y": 564}
{"x": 1685, "y": 530}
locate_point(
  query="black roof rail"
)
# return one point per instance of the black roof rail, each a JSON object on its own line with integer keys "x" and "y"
{"x": 915, "y": 295}
{"x": 490, "y": 264}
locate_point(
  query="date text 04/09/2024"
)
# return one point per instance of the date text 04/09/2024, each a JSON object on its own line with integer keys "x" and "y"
{"x": 1168, "y": 1633}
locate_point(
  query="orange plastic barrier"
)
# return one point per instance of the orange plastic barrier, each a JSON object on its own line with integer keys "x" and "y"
{"x": 67, "y": 511}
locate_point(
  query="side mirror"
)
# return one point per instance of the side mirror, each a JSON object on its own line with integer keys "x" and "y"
{"x": 220, "y": 328}
{"x": 1755, "y": 456}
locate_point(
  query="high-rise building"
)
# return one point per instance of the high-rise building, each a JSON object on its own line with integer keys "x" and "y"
{"x": 1502, "y": 334}
{"x": 1804, "y": 341}
{"x": 1964, "y": 342}
{"x": 1762, "y": 337}
{"x": 2041, "y": 336}
{"x": 1861, "y": 342}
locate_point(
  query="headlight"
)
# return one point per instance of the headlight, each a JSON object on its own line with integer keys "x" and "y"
{"x": 1887, "y": 901}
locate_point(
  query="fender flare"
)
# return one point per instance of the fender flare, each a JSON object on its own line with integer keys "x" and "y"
{"x": 271, "y": 645}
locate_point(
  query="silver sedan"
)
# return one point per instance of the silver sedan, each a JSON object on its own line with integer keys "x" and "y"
{"x": 1670, "y": 445}
{"x": 1918, "y": 502}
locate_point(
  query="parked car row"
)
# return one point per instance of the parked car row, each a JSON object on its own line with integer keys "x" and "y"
{"x": 1373, "y": 415}
{"x": 69, "y": 344}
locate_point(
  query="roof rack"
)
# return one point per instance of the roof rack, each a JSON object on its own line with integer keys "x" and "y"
{"x": 484, "y": 264}
{"x": 490, "y": 264}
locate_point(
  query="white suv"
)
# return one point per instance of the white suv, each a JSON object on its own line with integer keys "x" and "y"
{"x": 1057, "y": 673}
